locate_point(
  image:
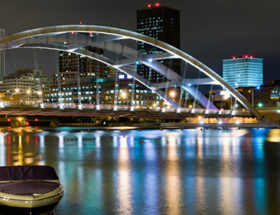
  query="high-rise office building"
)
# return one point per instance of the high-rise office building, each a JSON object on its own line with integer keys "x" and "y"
{"x": 243, "y": 71}
{"x": 2, "y": 57}
{"x": 85, "y": 67}
{"x": 162, "y": 23}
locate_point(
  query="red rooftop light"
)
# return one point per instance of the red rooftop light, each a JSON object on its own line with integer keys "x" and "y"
{"x": 157, "y": 4}
{"x": 149, "y": 5}
{"x": 233, "y": 57}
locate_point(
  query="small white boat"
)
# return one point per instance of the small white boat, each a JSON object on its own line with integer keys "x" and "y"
{"x": 29, "y": 189}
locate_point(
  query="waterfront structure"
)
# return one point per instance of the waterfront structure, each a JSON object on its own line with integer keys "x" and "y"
{"x": 162, "y": 23}
{"x": 125, "y": 57}
{"x": 243, "y": 71}
{"x": 2, "y": 57}
{"x": 26, "y": 86}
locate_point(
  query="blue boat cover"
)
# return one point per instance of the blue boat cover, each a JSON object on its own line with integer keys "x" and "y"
{"x": 27, "y": 173}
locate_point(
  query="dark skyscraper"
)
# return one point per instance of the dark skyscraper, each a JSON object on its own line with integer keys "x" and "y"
{"x": 162, "y": 23}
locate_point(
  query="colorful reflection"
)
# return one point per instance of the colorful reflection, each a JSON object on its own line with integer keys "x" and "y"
{"x": 173, "y": 179}
{"x": 124, "y": 184}
{"x": 155, "y": 172}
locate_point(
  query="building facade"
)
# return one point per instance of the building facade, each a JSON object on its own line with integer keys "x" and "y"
{"x": 25, "y": 87}
{"x": 162, "y": 23}
{"x": 263, "y": 96}
{"x": 2, "y": 57}
{"x": 243, "y": 71}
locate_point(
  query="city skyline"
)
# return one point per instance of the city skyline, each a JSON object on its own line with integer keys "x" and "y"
{"x": 242, "y": 30}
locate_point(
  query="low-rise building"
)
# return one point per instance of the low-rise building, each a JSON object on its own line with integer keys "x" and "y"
{"x": 26, "y": 86}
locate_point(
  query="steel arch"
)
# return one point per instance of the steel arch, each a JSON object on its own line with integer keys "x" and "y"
{"x": 7, "y": 42}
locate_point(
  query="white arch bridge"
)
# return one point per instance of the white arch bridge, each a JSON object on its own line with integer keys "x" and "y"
{"x": 74, "y": 39}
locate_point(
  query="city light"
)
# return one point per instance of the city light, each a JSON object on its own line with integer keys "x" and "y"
{"x": 132, "y": 108}
{"x": 19, "y": 119}
{"x": 157, "y": 4}
{"x": 233, "y": 112}
{"x": 97, "y": 107}
{"x": 17, "y": 90}
{"x": 150, "y": 60}
{"x": 80, "y": 106}
{"x": 28, "y": 92}
{"x": 225, "y": 94}
{"x": 260, "y": 105}
{"x": 42, "y": 105}
{"x": 220, "y": 122}
{"x": 172, "y": 94}
{"x": 61, "y": 106}
{"x": 39, "y": 93}
{"x": 124, "y": 95}
{"x": 237, "y": 122}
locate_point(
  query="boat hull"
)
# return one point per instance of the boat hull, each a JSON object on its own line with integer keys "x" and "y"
{"x": 47, "y": 209}
{"x": 30, "y": 204}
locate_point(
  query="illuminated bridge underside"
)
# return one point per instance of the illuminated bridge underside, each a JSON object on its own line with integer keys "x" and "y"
{"x": 72, "y": 38}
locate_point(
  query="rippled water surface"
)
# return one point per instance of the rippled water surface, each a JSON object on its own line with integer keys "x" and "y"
{"x": 156, "y": 172}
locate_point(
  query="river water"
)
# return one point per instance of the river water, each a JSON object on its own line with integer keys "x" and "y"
{"x": 155, "y": 172}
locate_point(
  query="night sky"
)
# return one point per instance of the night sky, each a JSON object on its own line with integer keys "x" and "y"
{"x": 210, "y": 30}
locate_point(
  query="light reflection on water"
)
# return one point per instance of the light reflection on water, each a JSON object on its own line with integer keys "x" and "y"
{"x": 156, "y": 172}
